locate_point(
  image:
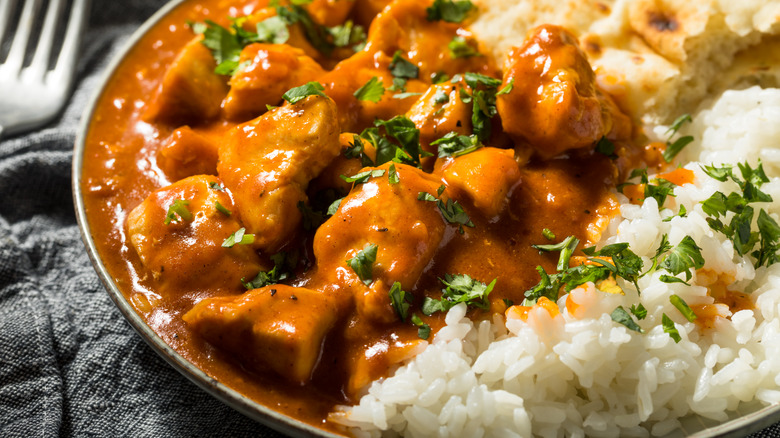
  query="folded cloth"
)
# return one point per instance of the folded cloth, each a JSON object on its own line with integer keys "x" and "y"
{"x": 69, "y": 363}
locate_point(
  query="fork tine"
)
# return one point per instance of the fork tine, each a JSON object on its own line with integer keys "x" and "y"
{"x": 5, "y": 16}
{"x": 40, "y": 62}
{"x": 15, "y": 59}
{"x": 64, "y": 69}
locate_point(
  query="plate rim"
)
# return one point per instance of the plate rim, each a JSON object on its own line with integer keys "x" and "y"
{"x": 737, "y": 427}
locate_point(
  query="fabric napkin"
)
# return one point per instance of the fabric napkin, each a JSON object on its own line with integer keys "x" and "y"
{"x": 69, "y": 363}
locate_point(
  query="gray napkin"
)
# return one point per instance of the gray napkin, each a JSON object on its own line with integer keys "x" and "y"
{"x": 69, "y": 363}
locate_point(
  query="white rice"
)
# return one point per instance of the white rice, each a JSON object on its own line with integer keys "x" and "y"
{"x": 589, "y": 376}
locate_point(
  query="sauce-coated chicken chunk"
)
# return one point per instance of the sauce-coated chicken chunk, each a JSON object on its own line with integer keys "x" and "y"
{"x": 267, "y": 71}
{"x": 277, "y": 326}
{"x": 406, "y": 231}
{"x": 190, "y": 91}
{"x": 555, "y": 105}
{"x": 268, "y": 162}
{"x": 187, "y": 153}
{"x": 178, "y": 233}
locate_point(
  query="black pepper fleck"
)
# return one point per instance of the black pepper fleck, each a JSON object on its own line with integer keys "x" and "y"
{"x": 273, "y": 292}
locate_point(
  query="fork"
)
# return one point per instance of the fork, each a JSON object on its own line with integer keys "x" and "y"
{"x": 31, "y": 96}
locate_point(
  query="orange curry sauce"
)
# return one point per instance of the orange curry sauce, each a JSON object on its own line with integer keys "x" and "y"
{"x": 154, "y": 126}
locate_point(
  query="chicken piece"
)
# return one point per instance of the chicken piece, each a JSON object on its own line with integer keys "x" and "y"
{"x": 440, "y": 111}
{"x": 484, "y": 176}
{"x": 190, "y": 92}
{"x": 407, "y": 232}
{"x": 268, "y": 71}
{"x": 277, "y": 327}
{"x": 330, "y": 12}
{"x": 403, "y": 25}
{"x": 354, "y": 72}
{"x": 178, "y": 233}
{"x": 555, "y": 105}
{"x": 186, "y": 153}
{"x": 268, "y": 162}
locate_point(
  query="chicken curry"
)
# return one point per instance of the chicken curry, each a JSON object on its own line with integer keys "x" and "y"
{"x": 291, "y": 194}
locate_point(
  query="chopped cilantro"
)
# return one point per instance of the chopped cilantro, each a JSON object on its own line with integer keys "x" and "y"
{"x": 402, "y": 68}
{"x": 769, "y": 233}
{"x": 670, "y": 328}
{"x": 454, "y": 145}
{"x": 364, "y": 176}
{"x": 674, "y": 147}
{"x": 334, "y": 207}
{"x": 221, "y": 208}
{"x": 273, "y": 30}
{"x": 565, "y": 247}
{"x": 275, "y": 275}
{"x": 459, "y": 47}
{"x": 439, "y": 77}
{"x": 215, "y": 186}
{"x": 296, "y": 94}
{"x": 683, "y": 257}
{"x": 363, "y": 263}
{"x": 606, "y": 147}
{"x": 682, "y": 306}
{"x": 441, "y": 97}
{"x": 483, "y": 101}
{"x": 681, "y": 213}
{"x": 400, "y": 300}
{"x": 621, "y": 316}
{"x": 451, "y": 210}
{"x": 423, "y": 329}
{"x": 238, "y": 238}
{"x": 639, "y": 311}
{"x": 348, "y": 34}
{"x": 405, "y": 95}
{"x": 459, "y": 288}
{"x": 178, "y": 211}
{"x": 225, "y": 46}
{"x": 371, "y": 91}
{"x": 449, "y": 10}
{"x": 407, "y": 135}
{"x": 507, "y": 88}
{"x": 549, "y": 235}
{"x": 393, "y": 175}
{"x": 319, "y": 36}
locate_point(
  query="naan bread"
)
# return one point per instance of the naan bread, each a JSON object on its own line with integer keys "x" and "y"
{"x": 659, "y": 58}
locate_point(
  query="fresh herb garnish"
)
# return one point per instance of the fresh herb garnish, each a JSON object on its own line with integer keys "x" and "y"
{"x": 215, "y": 186}
{"x": 682, "y": 306}
{"x": 334, "y": 207}
{"x": 392, "y": 175}
{"x": 451, "y": 210}
{"x": 423, "y": 329}
{"x": 364, "y": 176}
{"x": 400, "y": 300}
{"x": 507, "y": 88}
{"x": 639, "y": 311}
{"x": 371, "y": 91}
{"x": 221, "y": 208}
{"x": 454, "y": 145}
{"x": 483, "y": 101}
{"x": 459, "y": 47}
{"x": 275, "y": 275}
{"x": 449, "y": 10}
{"x": 565, "y": 247}
{"x": 683, "y": 257}
{"x": 401, "y": 67}
{"x": 549, "y": 235}
{"x": 621, "y": 316}
{"x": 238, "y": 238}
{"x": 296, "y": 94}
{"x": 311, "y": 218}
{"x": 606, "y": 147}
{"x": 674, "y": 147}
{"x": 178, "y": 211}
{"x": 670, "y": 328}
{"x": 273, "y": 30}
{"x": 459, "y": 288}
{"x": 363, "y": 263}
{"x": 348, "y": 34}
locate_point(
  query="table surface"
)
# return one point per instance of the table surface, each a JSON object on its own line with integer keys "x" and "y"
{"x": 69, "y": 363}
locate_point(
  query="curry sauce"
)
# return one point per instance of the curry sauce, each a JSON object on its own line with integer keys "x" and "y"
{"x": 178, "y": 158}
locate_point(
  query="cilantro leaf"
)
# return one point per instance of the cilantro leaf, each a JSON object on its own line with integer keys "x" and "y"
{"x": 459, "y": 288}
{"x": 400, "y": 300}
{"x": 423, "y": 329}
{"x": 606, "y": 147}
{"x": 402, "y": 68}
{"x": 296, "y": 94}
{"x": 639, "y": 311}
{"x": 225, "y": 46}
{"x": 459, "y": 47}
{"x": 178, "y": 211}
{"x": 215, "y": 186}
{"x": 222, "y": 209}
{"x": 566, "y": 248}
{"x": 549, "y": 235}
{"x": 683, "y": 257}
{"x": 621, "y": 316}
{"x": 334, "y": 207}
{"x": 371, "y": 91}
{"x": 392, "y": 176}
{"x": 674, "y": 148}
{"x": 682, "y": 306}
{"x": 238, "y": 238}
{"x": 451, "y": 210}
{"x": 311, "y": 218}
{"x": 670, "y": 328}
{"x": 348, "y": 34}
{"x": 363, "y": 177}
{"x": 406, "y": 133}
{"x": 273, "y": 276}
{"x": 449, "y": 10}
{"x": 273, "y": 30}
{"x": 454, "y": 145}
{"x": 507, "y": 88}
{"x": 363, "y": 263}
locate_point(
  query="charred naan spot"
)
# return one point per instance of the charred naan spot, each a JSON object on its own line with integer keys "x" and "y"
{"x": 661, "y": 22}
{"x": 637, "y": 59}
{"x": 603, "y": 8}
{"x": 591, "y": 45}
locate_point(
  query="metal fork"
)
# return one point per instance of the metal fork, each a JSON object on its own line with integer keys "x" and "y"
{"x": 32, "y": 95}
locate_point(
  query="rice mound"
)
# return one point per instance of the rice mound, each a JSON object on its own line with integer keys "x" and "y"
{"x": 658, "y": 58}
{"x": 579, "y": 373}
